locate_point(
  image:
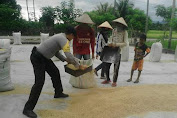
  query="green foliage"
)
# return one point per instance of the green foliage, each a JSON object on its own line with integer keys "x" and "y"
{"x": 48, "y": 16}
{"x": 11, "y": 4}
{"x": 173, "y": 23}
{"x": 9, "y": 15}
{"x": 159, "y": 34}
{"x": 60, "y": 27}
{"x": 156, "y": 26}
{"x": 66, "y": 13}
{"x": 164, "y": 43}
{"x": 136, "y": 19}
{"x": 122, "y": 8}
{"x": 164, "y": 12}
{"x": 104, "y": 8}
{"x": 100, "y": 18}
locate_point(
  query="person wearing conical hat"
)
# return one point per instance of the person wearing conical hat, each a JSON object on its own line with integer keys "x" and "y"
{"x": 118, "y": 40}
{"x": 85, "y": 37}
{"x": 101, "y": 41}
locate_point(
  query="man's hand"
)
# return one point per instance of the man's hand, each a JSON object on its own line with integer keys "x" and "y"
{"x": 83, "y": 67}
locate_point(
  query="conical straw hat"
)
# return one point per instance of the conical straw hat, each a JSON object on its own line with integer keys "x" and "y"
{"x": 106, "y": 25}
{"x": 84, "y": 19}
{"x": 121, "y": 20}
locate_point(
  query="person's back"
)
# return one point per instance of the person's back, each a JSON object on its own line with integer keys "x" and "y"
{"x": 53, "y": 45}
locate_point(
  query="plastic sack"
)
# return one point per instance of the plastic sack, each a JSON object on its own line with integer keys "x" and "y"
{"x": 44, "y": 37}
{"x": 125, "y": 53}
{"x": 17, "y": 38}
{"x": 156, "y": 52}
{"x": 5, "y": 43}
{"x": 86, "y": 80}
{"x": 5, "y": 79}
{"x": 176, "y": 54}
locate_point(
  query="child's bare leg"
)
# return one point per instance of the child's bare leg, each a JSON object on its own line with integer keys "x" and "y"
{"x": 129, "y": 80}
{"x": 137, "y": 80}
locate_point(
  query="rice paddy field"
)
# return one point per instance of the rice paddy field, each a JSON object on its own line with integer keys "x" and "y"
{"x": 158, "y": 36}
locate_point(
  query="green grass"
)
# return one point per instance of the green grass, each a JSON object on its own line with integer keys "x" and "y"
{"x": 164, "y": 43}
{"x": 156, "y": 34}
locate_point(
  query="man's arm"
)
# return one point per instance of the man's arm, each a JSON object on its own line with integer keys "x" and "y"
{"x": 71, "y": 59}
{"x": 60, "y": 56}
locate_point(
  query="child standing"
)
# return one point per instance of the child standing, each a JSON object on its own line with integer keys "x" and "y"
{"x": 141, "y": 51}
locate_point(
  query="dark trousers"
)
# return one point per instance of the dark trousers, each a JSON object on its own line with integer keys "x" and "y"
{"x": 102, "y": 67}
{"x": 85, "y": 56}
{"x": 116, "y": 70}
{"x": 40, "y": 65}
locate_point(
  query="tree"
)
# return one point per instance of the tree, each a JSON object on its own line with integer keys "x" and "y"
{"x": 165, "y": 13}
{"x": 9, "y": 15}
{"x": 102, "y": 13}
{"x": 103, "y": 8}
{"x": 100, "y": 18}
{"x": 48, "y": 16}
{"x": 11, "y": 4}
{"x": 136, "y": 21}
{"x": 66, "y": 13}
{"x": 121, "y": 8}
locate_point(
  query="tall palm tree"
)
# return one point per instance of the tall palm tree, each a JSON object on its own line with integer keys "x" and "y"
{"x": 103, "y": 8}
{"x": 27, "y": 10}
{"x": 122, "y": 7}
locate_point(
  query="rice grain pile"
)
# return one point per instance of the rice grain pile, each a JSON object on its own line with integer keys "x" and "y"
{"x": 118, "y": 102}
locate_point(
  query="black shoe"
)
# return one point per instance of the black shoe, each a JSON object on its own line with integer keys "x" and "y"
{"x": 29, "y": 113}
{"x": 61, "y": 95}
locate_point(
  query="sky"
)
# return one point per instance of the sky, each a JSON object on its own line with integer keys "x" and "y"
{"x": 88, "y": 5}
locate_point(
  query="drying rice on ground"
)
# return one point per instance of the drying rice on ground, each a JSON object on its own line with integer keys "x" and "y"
{"x": 116, "y": 102}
